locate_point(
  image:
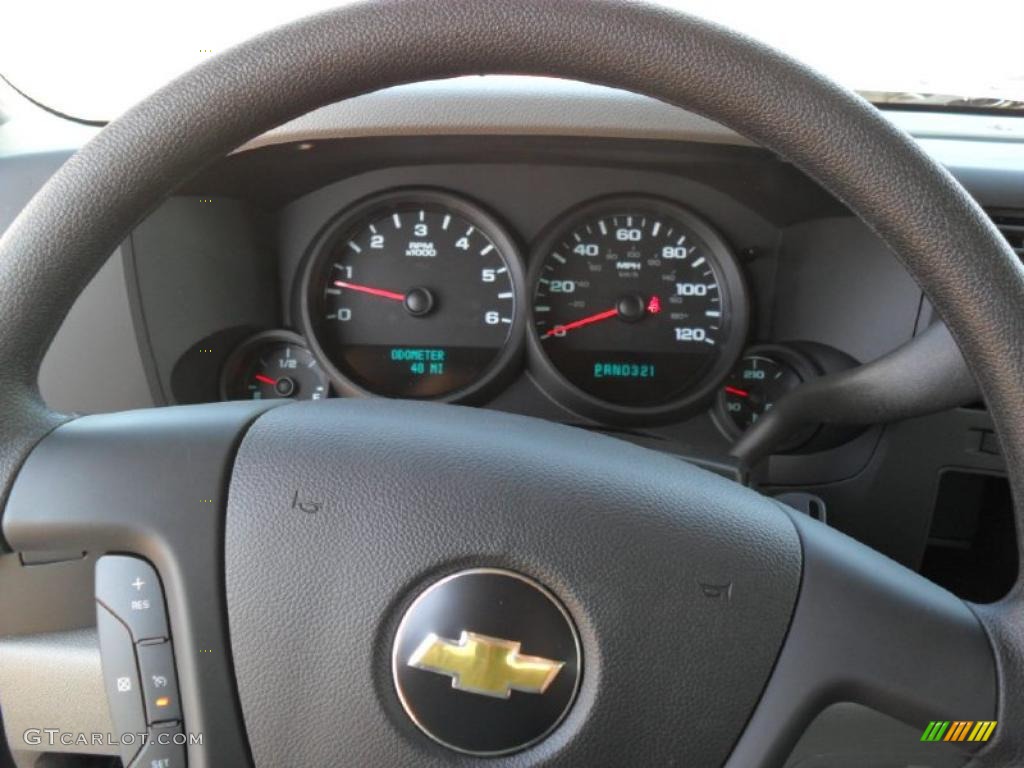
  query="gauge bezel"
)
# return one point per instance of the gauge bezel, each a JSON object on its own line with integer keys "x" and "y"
{"x": 802, "y": 365}
{"x": 735, "y": 305}
{"x": 274, "y": 336}
{"x": 340, "y": 225}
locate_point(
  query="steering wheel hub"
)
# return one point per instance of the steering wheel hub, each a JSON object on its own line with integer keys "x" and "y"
{"x": 328, "y": 613}
{"x": 486, "y": 661}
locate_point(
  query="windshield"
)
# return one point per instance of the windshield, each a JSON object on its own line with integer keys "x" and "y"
{"x": 94, "y": 60}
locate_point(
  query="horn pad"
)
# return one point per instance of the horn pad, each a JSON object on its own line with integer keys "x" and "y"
{"x": 343, "y": 514}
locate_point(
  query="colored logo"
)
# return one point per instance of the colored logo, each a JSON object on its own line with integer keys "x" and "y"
{"x": 959, "y": 730}
{"x": 486, "y": 661}
{"x": 485, "y": 665}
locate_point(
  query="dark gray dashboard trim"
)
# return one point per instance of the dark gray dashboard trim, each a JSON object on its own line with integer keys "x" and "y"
{"x": 139, "y": 324}
{"x": 97, "y": 360}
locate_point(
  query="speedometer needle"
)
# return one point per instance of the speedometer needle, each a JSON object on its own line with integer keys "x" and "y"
{"x": 561, "y": 329}
{"x": 372, "y": 291}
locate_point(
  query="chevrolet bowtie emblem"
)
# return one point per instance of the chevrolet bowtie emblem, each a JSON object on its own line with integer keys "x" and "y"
{"x": 434, "y": 656}
{"x": 485, "y": 665}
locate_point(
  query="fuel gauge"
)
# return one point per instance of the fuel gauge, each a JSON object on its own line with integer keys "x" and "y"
{"x": 270, "y": 366}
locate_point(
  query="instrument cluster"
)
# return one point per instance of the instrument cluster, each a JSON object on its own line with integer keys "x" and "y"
{"x": 627, "y": 310}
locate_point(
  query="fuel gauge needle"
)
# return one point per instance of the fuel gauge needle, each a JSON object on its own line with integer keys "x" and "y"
{"x": 265, "y": 379}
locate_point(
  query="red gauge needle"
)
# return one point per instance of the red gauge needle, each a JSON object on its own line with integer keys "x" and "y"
{"x": 265, "y": 379}
{"x": 584, "y": 321}
{"x": 372, "y": 291}
{"x": 738, "y": 392}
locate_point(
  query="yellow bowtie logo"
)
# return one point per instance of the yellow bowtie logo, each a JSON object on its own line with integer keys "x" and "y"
{"x": 486, "y": 665}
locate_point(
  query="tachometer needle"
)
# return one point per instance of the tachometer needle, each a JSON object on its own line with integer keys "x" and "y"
{"x": 372, "y": 291}
{"x": 561, "y": 329}
{"x": 737, "y": 391}
{"x": 265, "y": 379}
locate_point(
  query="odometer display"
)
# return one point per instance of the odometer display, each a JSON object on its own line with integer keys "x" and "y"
{"x": 414, "y": 294}
{"x": 637, "y": 304}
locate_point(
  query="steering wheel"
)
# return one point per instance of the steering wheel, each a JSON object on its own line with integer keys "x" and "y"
{"x": 299, "y": 545}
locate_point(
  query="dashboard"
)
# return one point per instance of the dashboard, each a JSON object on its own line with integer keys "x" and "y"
{"x": 613, "y": 264}
{"x": 627, "y": 309}
{"x": 633, "y": 310}
{"x": 644, "y": 287}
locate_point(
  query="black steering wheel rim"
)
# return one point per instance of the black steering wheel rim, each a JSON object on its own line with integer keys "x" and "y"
{"x": 946, "y": 242}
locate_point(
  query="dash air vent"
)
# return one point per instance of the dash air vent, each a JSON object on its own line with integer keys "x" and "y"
{"x": 1011, "y": 224}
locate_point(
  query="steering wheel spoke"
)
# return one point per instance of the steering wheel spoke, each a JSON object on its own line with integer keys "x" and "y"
{"x": 867, "y": 630}
{"x": 150, "y": 484}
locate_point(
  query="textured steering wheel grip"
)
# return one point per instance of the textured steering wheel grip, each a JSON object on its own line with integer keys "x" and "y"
{"x": 77, "y": 219}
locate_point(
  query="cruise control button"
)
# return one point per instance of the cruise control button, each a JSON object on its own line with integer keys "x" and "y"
{"x": 159, "y": 683}
{"x": 129, "y": 587}
{"x": 162, "y": 750}
{"x": 121, "y": 678}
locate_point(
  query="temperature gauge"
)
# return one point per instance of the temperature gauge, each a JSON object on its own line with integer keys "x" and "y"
{"x": 273, "y": 365}
{"x": 756, "y": 383}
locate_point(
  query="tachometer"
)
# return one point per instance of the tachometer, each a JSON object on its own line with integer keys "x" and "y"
{"x": 414, "y": 294}
{"x": 639, "y": 309}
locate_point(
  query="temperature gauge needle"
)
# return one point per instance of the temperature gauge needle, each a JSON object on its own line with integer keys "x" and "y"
{"x": 608, "y": 313}
{"x": 372, "y": 291}
{"x": 737, "y": 391}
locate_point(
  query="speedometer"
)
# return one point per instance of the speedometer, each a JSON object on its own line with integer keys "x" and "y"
{"x": 639, "y": 309}
{"x": 414, "y": 294}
